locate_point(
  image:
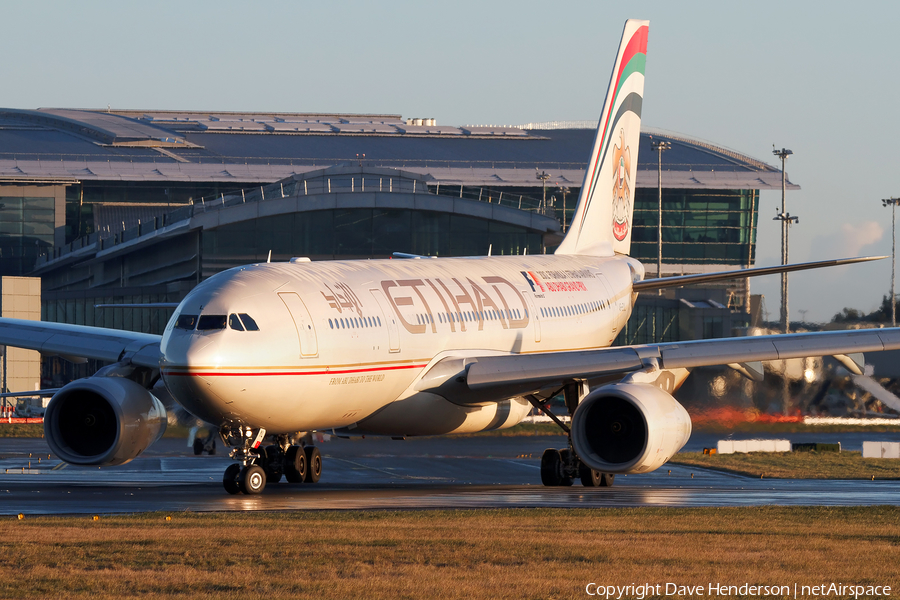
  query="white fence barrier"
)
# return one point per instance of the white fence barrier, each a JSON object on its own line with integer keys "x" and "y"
{"x": 848, "y": 421}
{"x": 732, "y": 446}
{"x": 881, "y": 449}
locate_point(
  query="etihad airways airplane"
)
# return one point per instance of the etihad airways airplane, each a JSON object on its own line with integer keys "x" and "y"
{"x": 423, "y": 346}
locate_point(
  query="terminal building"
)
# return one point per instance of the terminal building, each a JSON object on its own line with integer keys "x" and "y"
{"x": 116, "y": 206}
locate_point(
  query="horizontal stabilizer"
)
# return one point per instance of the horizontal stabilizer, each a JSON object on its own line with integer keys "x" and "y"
{"x": 48, "y": 392}
{"x": 145, "y": 305}
{"x": 680, "y": 280}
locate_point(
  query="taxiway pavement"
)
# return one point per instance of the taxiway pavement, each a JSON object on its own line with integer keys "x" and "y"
{"x": 473, "y": 472}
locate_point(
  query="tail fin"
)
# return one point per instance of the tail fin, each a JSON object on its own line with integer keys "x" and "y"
{"x": 602, "y": 222}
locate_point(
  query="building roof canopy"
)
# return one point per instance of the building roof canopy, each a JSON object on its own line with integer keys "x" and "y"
{"x": 266, "y": 147}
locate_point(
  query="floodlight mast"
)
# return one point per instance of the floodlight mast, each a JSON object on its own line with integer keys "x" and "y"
{"x": 785, "y": 219}
{"x": 893, "y": 202}
{"x": 543, "y": 176}
{"x": 564, "y": 191}
{"x": 659, "y": 147}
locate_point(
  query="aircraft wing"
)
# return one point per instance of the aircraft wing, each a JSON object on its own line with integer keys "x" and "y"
{"x": 524, "y": 373}
{"x": 62, "y": 339}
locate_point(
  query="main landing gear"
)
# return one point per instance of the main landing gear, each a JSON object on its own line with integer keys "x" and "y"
{"x": 562, "y": 467}
{"x": 258, "y": 465}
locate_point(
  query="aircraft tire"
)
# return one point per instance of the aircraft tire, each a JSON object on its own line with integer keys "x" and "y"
{"x": 589, "y": 477}
{"x": 198, "y": 447}
{"x": 252, "y": 479}
{"x": 313, "y": 464}
{"x": 565, "y": 456}
{"x": 551, "y": 468}
{"x": 274, "y": 465}
{"x": 229, "y": 480}
{"x": 295, "y": 464}
{"x": 607, "y": 479}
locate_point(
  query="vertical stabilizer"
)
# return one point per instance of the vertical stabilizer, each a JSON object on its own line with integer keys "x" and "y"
{"x": 603, "y": 218}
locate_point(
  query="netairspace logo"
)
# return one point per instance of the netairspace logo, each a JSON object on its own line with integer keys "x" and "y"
{"x": 713, "y": 590}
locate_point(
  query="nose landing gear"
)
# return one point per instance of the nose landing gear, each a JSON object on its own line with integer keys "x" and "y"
{"x": 257, "y": 466}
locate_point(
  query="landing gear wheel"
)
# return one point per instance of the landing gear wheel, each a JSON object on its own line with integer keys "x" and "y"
{"x": 229, "y": 480}
{"x": 295, "y": 464}
{"x": 313, "y": 464}
{"x": 551, "y": 468}
{"x": 273, "y": 464}
{"x": 594, "y": 478}
{"x": 565, "y": 456}
{"x": 198, "y": 447}
{"x": 589, "y": 477}
{"x": 252, "y": 479}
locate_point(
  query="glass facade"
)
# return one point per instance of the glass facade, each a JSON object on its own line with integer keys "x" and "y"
{"x": 651, "y": 323}
{"x": 699, "y": 226}
{"x": 360, "y": 233}
{"x": 81, "y": 200}
{"x": 26, "y": 231}
{"x": 81, "y": 309}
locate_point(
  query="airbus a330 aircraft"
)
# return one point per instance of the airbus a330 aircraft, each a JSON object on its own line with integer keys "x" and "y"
{"x": 420, "y": 347}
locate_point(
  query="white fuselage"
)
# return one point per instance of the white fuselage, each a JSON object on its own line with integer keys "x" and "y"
{"x": 343, "y": 344}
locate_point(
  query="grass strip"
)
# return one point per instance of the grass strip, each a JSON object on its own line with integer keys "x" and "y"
{"x": 21, "y": 430}
{"x": 795, "y": 465}
{"x": 498, "y": 554}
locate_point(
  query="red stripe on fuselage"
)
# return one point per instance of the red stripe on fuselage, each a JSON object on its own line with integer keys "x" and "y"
{"x": 283, "y": 373}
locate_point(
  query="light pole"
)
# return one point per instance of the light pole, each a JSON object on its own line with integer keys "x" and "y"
{"x": 564, "y": 191}
{"x": 784, "y": 217}
{"x": 659, "y": 148}
{"x": 893, "y": 202}
{"x": 543, "y": 176}
{"x": 786, "y": 221}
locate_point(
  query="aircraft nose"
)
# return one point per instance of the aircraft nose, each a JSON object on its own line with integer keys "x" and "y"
{"x": 189, "y": 350}
{"x": 189, "y": 361}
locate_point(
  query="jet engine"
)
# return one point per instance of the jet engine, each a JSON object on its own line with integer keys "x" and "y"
{"x": 103, "y": 421}
{"x": 629, "y": 428}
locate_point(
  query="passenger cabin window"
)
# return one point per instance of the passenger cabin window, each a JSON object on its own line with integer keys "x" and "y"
{"x": 186, "y": 322}
{"x": 211, "y": 322}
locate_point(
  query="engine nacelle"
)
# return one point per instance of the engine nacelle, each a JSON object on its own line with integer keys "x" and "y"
{"x": 103, "y": 421}
{"x": 629, "y": 428}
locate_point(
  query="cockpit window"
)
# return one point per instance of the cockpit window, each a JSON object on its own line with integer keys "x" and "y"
{"x": 235, "y": 323}
{"x": 249, "y": 323}
{"x": 186, "y": 322}
{"x": 211, "y": 322}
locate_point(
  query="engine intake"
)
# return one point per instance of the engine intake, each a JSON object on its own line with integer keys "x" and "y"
{"x": 103, "y": 421}
{"x": 629, "y": 428}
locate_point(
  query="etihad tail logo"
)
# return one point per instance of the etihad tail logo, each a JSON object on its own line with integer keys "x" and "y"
{"x": 621, "y": 188}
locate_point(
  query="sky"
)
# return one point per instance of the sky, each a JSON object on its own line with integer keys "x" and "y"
{"x": 818, "y": 78}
